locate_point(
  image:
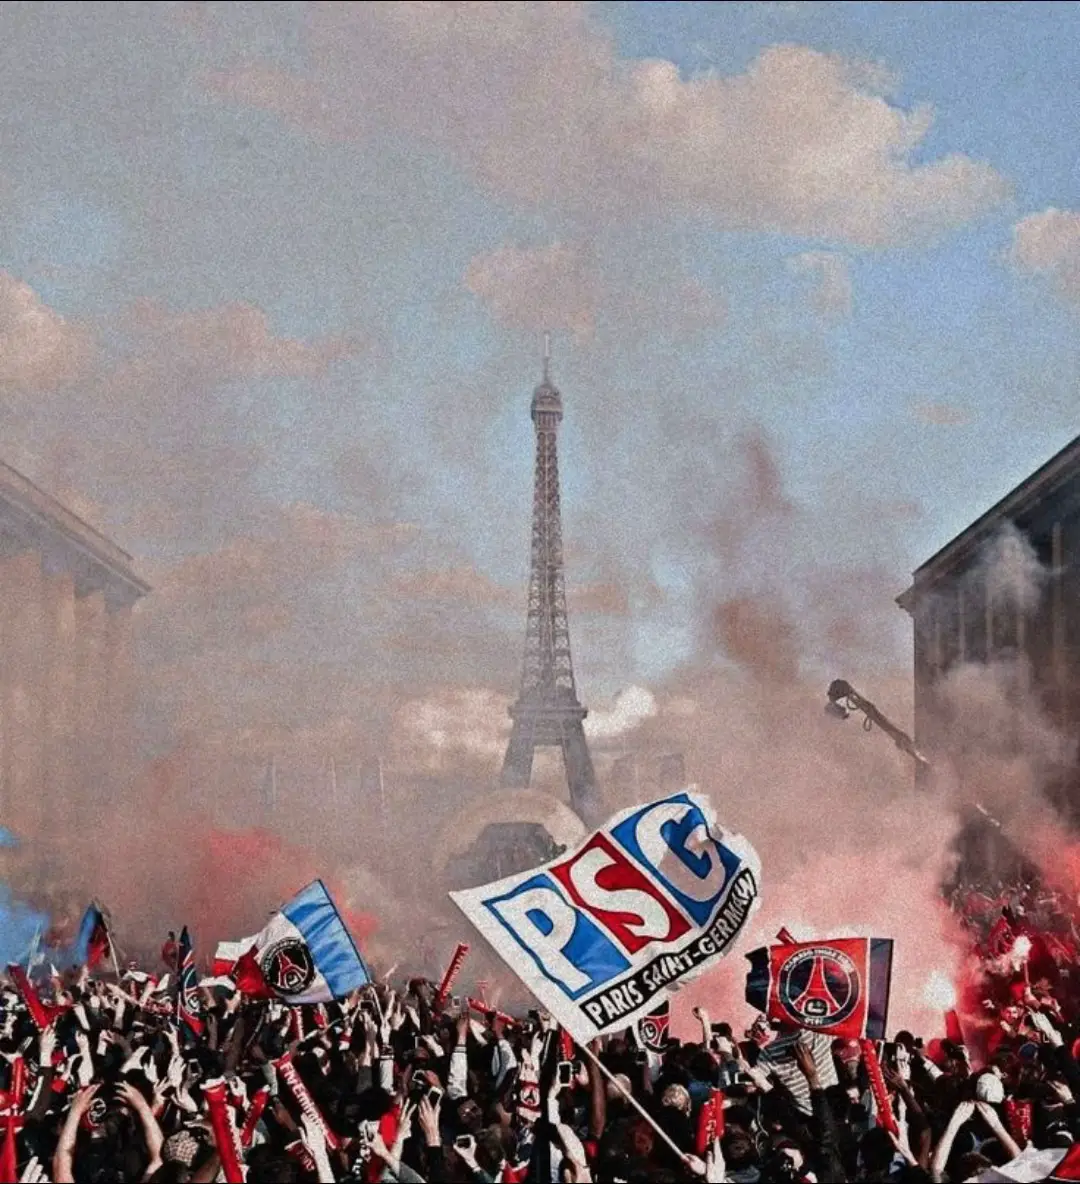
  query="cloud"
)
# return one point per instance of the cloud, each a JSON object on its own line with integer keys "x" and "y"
{"x": 450, "y": 725}
{"x": 604, "y": 598}
{"x": 154, "y": 411}
{"x": 547, "y": 114}
{"x": 830, "y": 296}
{"x": 631, "y": 708}
{"x": 572, "y": 287}
{"x": 458, "y": 584}
{"x": 39, "y": 349}
{"x": 941, "y": 414}
{"x": 536, "y": 288}
{"x": 227, "y": 342}
{"x": 252, "y": 588}
{"x": 1048, "y": 245}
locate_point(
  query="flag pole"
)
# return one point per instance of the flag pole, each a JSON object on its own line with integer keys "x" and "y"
{"x": 33, "y": 951}
{"x": 112, "y": 942}
{"x": 613, "y": 1080}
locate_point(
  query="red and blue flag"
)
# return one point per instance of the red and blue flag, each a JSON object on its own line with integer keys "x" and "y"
{"x": 305, "y": 954}
{"x": 188, "y": 1003}
{"x": 94, "y": 942}
{"x": 838, "y": 987}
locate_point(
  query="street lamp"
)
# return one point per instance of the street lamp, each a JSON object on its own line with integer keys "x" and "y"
{"x": 844, "y": 699}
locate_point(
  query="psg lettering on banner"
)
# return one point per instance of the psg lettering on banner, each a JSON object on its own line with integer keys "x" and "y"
{"x": 602, "y": 934}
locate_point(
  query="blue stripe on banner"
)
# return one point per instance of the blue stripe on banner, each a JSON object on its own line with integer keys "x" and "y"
{"x": 331, "y": 945}
{"x": 877, "y": 1005}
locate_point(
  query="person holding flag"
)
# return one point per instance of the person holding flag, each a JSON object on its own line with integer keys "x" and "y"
{"x": 188, "y": 1004}
{"x": 94, "y": 942}
{"x": 304, "y": 954}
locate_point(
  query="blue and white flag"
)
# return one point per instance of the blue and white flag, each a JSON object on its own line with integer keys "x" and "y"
{"x": 305, "y": 954}
{"x": 603, "y": 934}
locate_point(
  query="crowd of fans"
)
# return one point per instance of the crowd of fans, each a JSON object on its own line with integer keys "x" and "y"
{"x": 105, "y": 1079}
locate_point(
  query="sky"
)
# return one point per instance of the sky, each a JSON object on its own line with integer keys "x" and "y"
{"x": 273, "y": 284}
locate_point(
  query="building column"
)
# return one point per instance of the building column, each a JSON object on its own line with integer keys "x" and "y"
{"x": 24, "y": 695}
{"x": 60, "y": 690}
{"x": 118, "y": 673}
{"x": 93, "y": 785}
{"x": 1057, "y": 618}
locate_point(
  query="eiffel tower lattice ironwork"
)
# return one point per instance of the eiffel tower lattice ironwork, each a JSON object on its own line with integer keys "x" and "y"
{"x": 547, "y": 713}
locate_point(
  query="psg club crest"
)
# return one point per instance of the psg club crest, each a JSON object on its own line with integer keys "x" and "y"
{"x": 819, "y": 987}
{"x": 838, "y": 987}
{"x": 288, "y": 967}
{"x": 653, "y": 1028}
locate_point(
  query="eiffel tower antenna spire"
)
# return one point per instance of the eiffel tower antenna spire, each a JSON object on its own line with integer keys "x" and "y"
{"x": 547, "y": 713}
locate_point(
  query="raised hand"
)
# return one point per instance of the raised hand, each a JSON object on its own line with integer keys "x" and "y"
{"x": 963, "y": 1113}
{"x": 33, "y": 1173}
{"x": 427, "y": 1117}
{"x": 47, "y": 1046}
{"x": 716, "y": 1168}
{"x": 466, "y": 1150}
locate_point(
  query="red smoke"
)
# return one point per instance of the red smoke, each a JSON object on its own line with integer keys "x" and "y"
{"x": 242, "y": 876}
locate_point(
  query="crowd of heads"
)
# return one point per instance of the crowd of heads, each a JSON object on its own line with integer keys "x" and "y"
{"x": 108, "y": 1079}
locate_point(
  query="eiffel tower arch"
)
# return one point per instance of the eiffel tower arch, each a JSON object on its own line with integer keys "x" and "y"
{"x": 547, "y": 712}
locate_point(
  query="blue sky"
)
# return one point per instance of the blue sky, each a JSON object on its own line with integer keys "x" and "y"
{"x": 262, "y": 256}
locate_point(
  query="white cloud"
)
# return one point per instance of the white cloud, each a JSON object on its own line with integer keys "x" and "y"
{"x": 546, "y": 113}
{"x": 1048, "y": 244}
{"x": 39, "y": 349}
{"x": 536, "y": 288}
{"x": 632, "y": 707}
{"x": 567, "y": 286}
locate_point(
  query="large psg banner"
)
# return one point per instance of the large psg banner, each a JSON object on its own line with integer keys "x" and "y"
{"x": 838, "y": 987}
{"x": 603, "y": 934}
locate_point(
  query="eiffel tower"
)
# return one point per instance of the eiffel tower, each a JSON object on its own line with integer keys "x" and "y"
{"x": 547, "y": 713}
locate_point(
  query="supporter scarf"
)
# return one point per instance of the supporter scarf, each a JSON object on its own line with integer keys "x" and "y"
{"x": 286, "y": 1070}
{"x": 13, "y": 1120}
{"x": 710, "y": 1124}
{"x": 452, "y": 970}
{"x": 255, "y": 1112}
{"x": 885, "y": 1116}
{"x": 226, "y": 1138}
